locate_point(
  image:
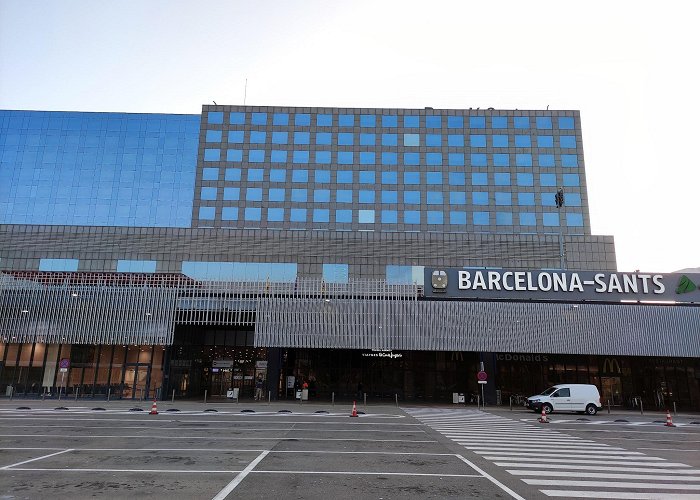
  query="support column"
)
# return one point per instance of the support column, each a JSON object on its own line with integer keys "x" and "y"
{"x": 489, "y": 360}
{"x": 274, "y": 367}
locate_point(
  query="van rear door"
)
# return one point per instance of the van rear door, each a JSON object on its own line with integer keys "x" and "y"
{"x": 561, "y": 399}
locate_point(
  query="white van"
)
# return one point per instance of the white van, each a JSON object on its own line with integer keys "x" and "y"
{"x": 567, "y": 397}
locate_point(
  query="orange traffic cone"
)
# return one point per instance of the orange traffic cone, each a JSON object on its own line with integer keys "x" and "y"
{"x": 354, "y": 409}
{"x": 543, "y": 417}
{"x": 669, "y": 420}
{"x": 154, "y": 408}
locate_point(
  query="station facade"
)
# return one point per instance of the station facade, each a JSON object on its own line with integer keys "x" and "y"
{"x": 142, "y": 254}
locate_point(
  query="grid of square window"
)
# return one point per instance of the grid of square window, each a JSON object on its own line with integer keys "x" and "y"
{"x": 395, "y": 170}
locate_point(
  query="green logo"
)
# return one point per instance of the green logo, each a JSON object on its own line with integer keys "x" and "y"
{"x": 685, "y": 285}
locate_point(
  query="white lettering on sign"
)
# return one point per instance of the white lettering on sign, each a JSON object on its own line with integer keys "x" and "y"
{"x": 523, "y": 281}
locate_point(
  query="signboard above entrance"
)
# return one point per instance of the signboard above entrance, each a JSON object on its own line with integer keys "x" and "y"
{"x": 561, "y": 285}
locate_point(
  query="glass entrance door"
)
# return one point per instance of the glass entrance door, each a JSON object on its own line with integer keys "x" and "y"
{"x": 612, "y": 390}
{"x": 221, "y": 381}
{"x": 136, "y": 378}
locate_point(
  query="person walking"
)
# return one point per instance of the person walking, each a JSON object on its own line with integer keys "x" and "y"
{"x": 259, "y": 385}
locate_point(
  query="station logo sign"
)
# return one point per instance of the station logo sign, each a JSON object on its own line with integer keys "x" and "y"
{"x": 603, "y": 286}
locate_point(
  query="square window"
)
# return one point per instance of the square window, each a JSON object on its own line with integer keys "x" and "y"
{"x": 455, "y": 159}
{"x": 237, "y": 118}
{"x": 567, "y": 141}
{"x": 322, "y": 196}
{"x": 455, "y": 122}
{"x": 411, "y": 197}
{"x": 458, "y": 218}
{"x": 434, "y": 217}
{"x": 368, "y": 121}
{"x": 343, "y": 217}
{"x": 323, "y": 138}
{"x": 526, "y": 199}
{"x": 389, "y": 139}
{"x": 343, "y": 196}
{"x": 455, "y": 141}
{"x": 499, "y": 122}
{"x": 478, "y": 159}
{"x": 302, "y": 120}
{"x": 256, "y": 155}
{"x": 321, "y": 215}
{"x": 366, "y": 196}
{"x": 212, "y": 154}
{"x": 213, "y": 136}
{"x": 299, "y": 195}
{"x": 300, "y": 176}
{"x": 300, "y": 157}
{"x": 504, "y": 218}
{"x": 258, "y": 119}
{"x": 521, "y": 122}
{"x": 411, "y": 178}
{"x": 569, "y": 161}
{"x": 433, "y": 197}
{"x": 504, "y": 199}
{"x": 280, "y": 119}
{"x": 528, "y": 219}
{"x": 477, "y": 141}
{"x": 411, "y": 121}
{"x": 571, "y": 180}
{"x": 257, "y": 137}
{"x": 458, "y": 198}
{"x": 322, "y": 176}
{"x": 501, "y": 179}
{"x": 208, "y": 193}
{"x": 232, "y": 193}
{"x": 522, "y": 141}
{"x": 389, "y": 158}
{"x": 390, "y": 178}
{"x": 433, "y": 159}
{"x": 457, "y": 178}
{"x": 481, "y": 218}
{"x": 390, "y": 121}
{"x": 479, "y": 179}
{"x": 302, "y": 137}
{"x": 411, "y": 140}
{"x": 573, "y": 199}
{"x": 390, "y": 216}
{"x": 499, "y": 141}
{"x": 336, "y": 273}
{"x": 323, "y": 157}
{"x": 345, "y": 139}
{"x": 253, "y": 194}
{"x": 346, "y": 120}
{"x": 480, "y": 198}
{"x": 365, "y": 216}
{"x": 216, "y": 117}
{"x": 548, "y": 180}
{"x": 324, "y": 120}
{"x": 275, "y": 194}
{"x": 229, "y": 213}
{"x": 433, "y": 140}
{"x": 546, "y": 160}
{"x": 543, "y": 122}
{"x": 501, "y": 160}
{"x": 390, "y": 197}
{"x": 344, "y": 176}
{"x": 255, "y": 174}
{"x": 275, "y": 214}
{"x": 235, "y": 136}
{"x": 279, "y": 138}
{"x": 345, "y": 157}
{"x": 550, "y": 219}
{"x": 524, "y": 179}
{"x": 210, "y": 174}
{"x": 297, "y": 215}
{"x": 523, "y": 159}
{"x": 433, "y": 122}
{"x": 566, "y": 123}
{"x": 232, "y": 174}
{"x": 411, "y": 217}
{"x": 367, "y": 139}
{"x": 574, "y": 220}
{"x": 477, "y": 122}
{"x": 277, "y": 156}
{"x": 545, "y": 141}
{"x": 367, "y": 177}
{"x": 252, "y": 213}
{"x": 433, "y": 178}
{"x": 367, "y": 158}
{"x": 411, "y": 158}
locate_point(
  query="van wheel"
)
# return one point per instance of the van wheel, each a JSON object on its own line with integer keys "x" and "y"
{"x": 547, "y": 408}
{"x": 591, "y": 409}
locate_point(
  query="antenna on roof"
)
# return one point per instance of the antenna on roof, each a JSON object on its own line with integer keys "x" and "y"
{"x": 547, "y": 107}
{"x": 245, "y": 91}
{"x": 215, "y": 103}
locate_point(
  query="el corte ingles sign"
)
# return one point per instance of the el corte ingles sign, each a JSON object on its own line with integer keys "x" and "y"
{"x": 561, "y": 285}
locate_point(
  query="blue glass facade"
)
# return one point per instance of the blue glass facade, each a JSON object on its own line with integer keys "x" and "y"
{"x": 97, "y": 169}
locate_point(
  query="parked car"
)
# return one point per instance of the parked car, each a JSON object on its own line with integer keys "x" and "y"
{"x": 567, "y": 397}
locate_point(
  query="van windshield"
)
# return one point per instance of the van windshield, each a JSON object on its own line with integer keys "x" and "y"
{"x": 548, "y": 391}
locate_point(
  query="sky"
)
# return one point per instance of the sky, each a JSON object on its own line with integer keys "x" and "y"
{"x": 631, "y": 68}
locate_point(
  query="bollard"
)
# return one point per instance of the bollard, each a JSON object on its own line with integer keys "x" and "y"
{"x": 674, "y": 409}
{"x": 269, "y": 397}
{"x": 511, "y": 403}
{"x": 641, "y": 406}
{"x": 365, "y": 400}
{"x": 76, "y": 393}
{"x": 60, "y": 389}
{"x": 608, "y": 407}
{"x": 478, "y": 401}
{"x": 109, "y": 393}
{"x": 396, "y": 396}
{"x": 205, "y": 396}
{"x": 332, "y": 398}
{"x": 43, "y": 396}
{"x": 173, "y": 400}
{"x": 12, "y": 392}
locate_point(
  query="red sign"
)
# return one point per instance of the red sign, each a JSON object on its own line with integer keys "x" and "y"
{"x": 481, "y": 376}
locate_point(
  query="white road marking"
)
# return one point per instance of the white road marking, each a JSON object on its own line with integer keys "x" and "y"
{"x": 623, "y": 495}
{"x": 177, "y": 471}
{"x": 35, "y": 459}
{"x": 84, "y": 428}
{"x": 602, "y": 475}
{"x": 613, "y": 484}
{"x": 563, "y": 457}
{"x": 217, "y": 438}
{"x": 362, "y": 473}
{"x": 576, "y": 468}
{"x": 240, "y": 477}
{"x": 643, "y": 461}
{"x": 553, "y": 450}
{"x": 491, "y": 478}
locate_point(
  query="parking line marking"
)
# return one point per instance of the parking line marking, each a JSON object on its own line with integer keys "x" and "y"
{"x": 35, "y": 459}
{"x": 216, "y": 438}
{"x": 667, "y": 449}
{"x": 180, "y": 428}
{"x": 491, "y": 478}
{"x": 178, "y": 471}
{"x": 362, "y": 473}
{"x": 240, "y": 477}
{"x": 143, "y": 414}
